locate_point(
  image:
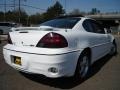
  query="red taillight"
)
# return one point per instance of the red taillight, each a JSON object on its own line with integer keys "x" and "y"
{"x": 9, "y": 39}
{"x": 52, "y": 40}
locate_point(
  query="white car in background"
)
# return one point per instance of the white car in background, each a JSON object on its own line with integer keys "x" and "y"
{"x": 5, "y": 27}
{"x": 61, "y": 47}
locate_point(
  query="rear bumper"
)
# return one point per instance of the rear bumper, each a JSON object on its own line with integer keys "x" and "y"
{"x": 65, "y": 63}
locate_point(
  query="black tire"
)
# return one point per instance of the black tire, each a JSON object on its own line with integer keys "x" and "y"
{"x": 83, "y": 66}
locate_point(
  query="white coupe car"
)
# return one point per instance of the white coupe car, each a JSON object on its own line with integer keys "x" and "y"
{"x": 62, "y": 47}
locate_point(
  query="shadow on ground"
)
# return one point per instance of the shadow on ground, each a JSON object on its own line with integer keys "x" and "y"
{"x": 68, "y": 83}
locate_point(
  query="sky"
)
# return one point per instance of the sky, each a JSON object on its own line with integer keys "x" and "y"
{"x": 82, "y": 5}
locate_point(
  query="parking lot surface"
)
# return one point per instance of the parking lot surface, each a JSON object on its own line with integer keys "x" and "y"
{"x": 104, "y": 75}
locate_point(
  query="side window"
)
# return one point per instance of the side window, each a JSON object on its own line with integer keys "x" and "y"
{"x": 97, "y": 27}
{"x": 87, "y": 25}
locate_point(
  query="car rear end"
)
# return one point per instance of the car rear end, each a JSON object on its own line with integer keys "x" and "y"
{"x": 41, "y": 52}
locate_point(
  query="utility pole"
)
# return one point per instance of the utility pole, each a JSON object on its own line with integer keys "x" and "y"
{"x": 19, "y": 10}
{"x": 4, "y": 10}
{"x": 65, "y": 7}
{"x": 14, "y": 4}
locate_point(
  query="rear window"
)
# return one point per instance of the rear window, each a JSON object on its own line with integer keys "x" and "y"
{"x": 68, "y": 23}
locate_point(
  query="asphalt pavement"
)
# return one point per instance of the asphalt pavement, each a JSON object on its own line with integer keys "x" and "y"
{"x": 104, "y": 75}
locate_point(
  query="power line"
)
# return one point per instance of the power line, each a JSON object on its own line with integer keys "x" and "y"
{"x": 12, "y": 5}
{"x": 33, "y": 7}
{"x": 7, "y": 5}
{"x": 19, "y": 8}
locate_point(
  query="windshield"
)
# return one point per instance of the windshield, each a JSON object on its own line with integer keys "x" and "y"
{"x": 68, "y": 23}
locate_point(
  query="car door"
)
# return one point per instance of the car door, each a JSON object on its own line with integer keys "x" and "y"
{"x": 98, "y": 40}
{"x": 102, "y": 44}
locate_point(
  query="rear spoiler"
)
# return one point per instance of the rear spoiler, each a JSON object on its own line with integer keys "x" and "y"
{"x": 46, "y": 28}
{"x": 25, "y": 28}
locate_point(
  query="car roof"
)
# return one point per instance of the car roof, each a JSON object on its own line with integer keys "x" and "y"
{"x": 73, "y": 16}
{"x": 70, "y": 16}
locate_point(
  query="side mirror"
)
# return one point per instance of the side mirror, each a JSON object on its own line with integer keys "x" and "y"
{"x": 107, "y": 30}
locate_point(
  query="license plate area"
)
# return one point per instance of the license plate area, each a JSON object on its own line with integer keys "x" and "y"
{"x": 16, "y": 60}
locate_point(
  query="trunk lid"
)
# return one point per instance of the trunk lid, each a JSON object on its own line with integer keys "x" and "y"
{"x": 30, "y": 36}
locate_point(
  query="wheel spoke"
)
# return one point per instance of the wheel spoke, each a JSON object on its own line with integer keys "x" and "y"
{"x": 84, "y": 66}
